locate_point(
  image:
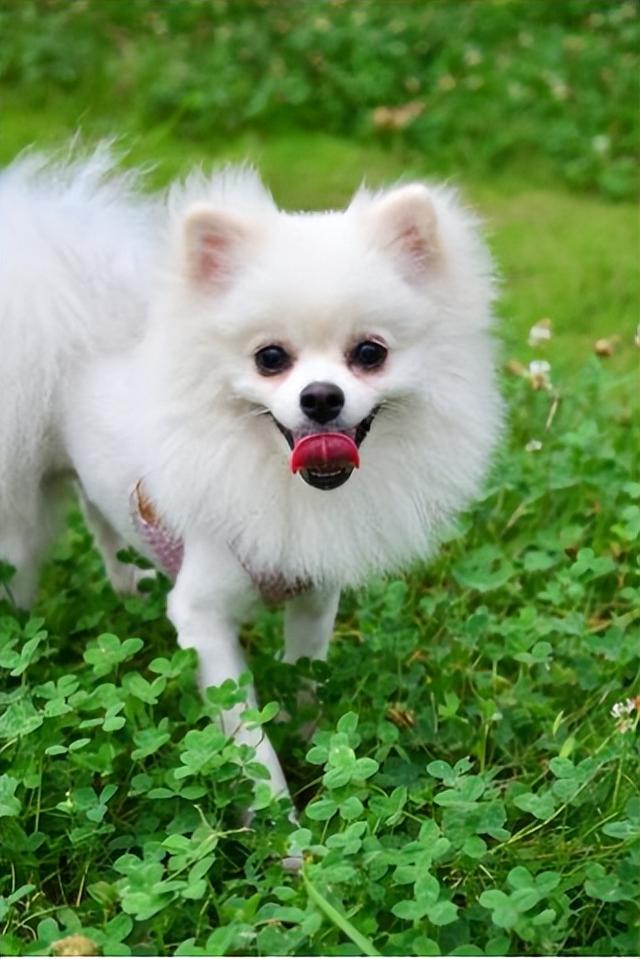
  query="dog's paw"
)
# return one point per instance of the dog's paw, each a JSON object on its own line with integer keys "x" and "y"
{"x": 292, "y": 863}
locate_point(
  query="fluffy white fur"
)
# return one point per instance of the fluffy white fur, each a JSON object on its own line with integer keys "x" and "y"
{"x": 129, "y": 327}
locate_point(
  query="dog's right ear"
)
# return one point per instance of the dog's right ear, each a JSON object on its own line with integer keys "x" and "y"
{"x": 404, "y": 224}
{"x": 215, "y": 243}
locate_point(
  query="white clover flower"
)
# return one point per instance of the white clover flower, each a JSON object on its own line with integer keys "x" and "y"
{"x": 623, "y": 708}
{"x": 600, "y": 143}
{"x": 540, "y": 332}
{"x": 538, "y": 374}
{"x": 625, "y": 11}
{"x": 472, "y": 56}
{"x": 533, "y": 446}
{"x": 515, "y": 90}
{"x": 539, "y": 367}
{"x": 557, "y": 86}
{"x": 447, "y": 82}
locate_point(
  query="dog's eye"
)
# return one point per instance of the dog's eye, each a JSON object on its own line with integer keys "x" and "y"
{"x": 368, "y": 355}
{"x": 272, "y": 359}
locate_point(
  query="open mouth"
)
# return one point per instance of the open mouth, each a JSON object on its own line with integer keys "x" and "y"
{"x": 327, "y": 459}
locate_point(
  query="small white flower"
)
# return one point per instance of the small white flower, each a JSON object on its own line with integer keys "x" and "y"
{"x": 533, "y": 446}
{"x": 637, "y": 336}
{"x": 559, "y": 89}
{"x": 625, "y": 11}
{"x": 600, "y": 144}
{"x": 623, "y": 712}
{"x": 472, "y": 56}
{"x": 446, "y": 82}
{"x": 515, "y": 90}
{"x": 538, "y": 374}
{"x": 623, "y": 708}
{"x": 540, "y": 332}
{"x": 539, "y": 367}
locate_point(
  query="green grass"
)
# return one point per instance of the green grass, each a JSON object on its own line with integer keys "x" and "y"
{"x": 468, "y": 790}
{"x": 487, "y": 83}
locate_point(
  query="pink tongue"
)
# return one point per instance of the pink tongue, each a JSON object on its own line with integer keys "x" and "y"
{"x": 324, "y": 451}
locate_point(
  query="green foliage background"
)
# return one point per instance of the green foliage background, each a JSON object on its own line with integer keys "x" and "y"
{"x": 467, "y": 790}
{"x": 498, "y": 80}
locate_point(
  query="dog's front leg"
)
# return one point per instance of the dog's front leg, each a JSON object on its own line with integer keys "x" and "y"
{"x": 308, "y": 624}
{"x": 206, "y": 607}
{"x": 308, "y": 628}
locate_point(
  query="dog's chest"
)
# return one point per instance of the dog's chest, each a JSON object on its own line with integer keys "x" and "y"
{"x": 167, "y": 550}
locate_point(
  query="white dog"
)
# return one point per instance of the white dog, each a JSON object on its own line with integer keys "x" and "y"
{"x": 263, "y": 403}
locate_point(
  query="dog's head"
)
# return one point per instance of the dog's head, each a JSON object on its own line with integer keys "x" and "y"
{"x": 312, "y": 328}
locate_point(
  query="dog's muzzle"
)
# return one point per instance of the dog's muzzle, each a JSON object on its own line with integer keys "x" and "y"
{"x": 326, "y": 459}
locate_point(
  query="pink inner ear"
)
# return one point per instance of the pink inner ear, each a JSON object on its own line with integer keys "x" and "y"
{"x": 414, "y": 243}
{"x": 211, "y": 256}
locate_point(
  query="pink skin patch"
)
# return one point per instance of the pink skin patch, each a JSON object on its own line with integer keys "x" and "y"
{"x": 322, "y": 451}
{"x": 166, "y": 549}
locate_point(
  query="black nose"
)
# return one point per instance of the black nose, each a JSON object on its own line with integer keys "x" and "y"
{"x": 322, "y": 401}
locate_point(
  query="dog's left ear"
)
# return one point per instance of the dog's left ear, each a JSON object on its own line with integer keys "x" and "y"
{"x": 215, "y": 244}
{"x": 405, "y": 224}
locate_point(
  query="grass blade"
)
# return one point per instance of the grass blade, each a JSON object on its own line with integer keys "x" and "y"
{"x": 339, "y": 919}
